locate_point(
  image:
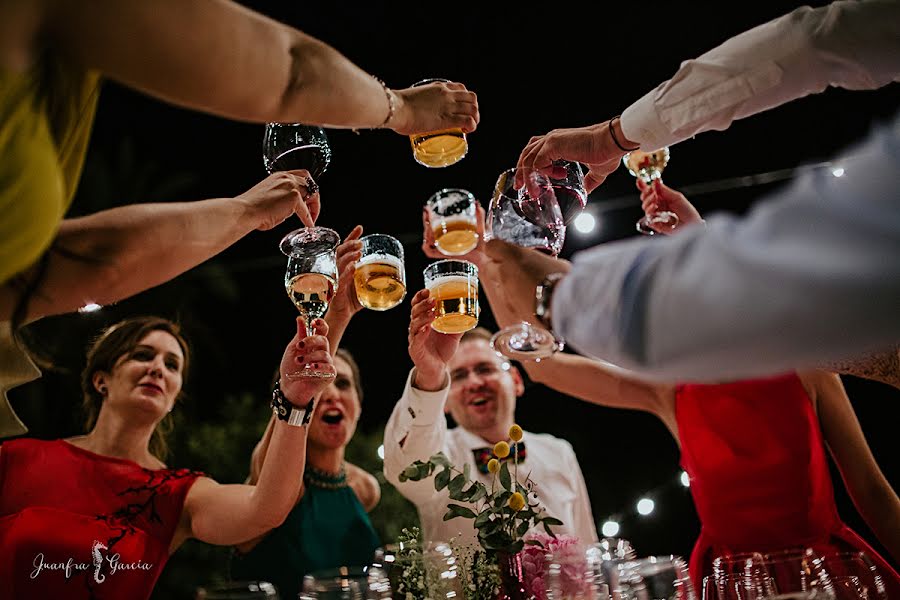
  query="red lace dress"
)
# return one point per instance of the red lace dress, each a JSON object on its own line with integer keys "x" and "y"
{"x": 759, "y": 475}
{"x": 74, "y": 524}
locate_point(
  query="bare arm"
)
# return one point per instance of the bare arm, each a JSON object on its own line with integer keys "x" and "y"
{"x": 871, "y": 493}
{"x": 219, "y": 57}
{"x": 119, "y": 252}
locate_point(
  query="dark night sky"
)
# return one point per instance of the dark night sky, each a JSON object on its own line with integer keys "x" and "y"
{"x": 533, "y": 71}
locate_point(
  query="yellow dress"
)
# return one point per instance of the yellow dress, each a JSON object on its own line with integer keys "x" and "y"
{"x": 45, "y": 123}
{"x": 46, "y": 116}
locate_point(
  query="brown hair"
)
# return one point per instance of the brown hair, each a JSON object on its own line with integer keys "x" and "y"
{"x": 115, "y": 342}
{"x": 354, "y": 368}
{"x": 479, "y": 333}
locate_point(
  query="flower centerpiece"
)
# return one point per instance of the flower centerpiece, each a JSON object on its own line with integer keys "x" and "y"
{"x": 502, "y": 515}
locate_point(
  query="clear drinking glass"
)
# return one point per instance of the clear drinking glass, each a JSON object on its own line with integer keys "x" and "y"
{"x": 440, "y": 148}
{"x": 454, "y": 287}
{"x": 656, "y": 578}
{"x": 238, "y": 590}
{"x": 443, "y": 572}
{"x": 575, "y": 573}
{"x": 380, "y": 277}
{"x": 649, "y": 166}
{"x": 451, "y": 212}
{"x": 743, "y": 573}
{"x": 346, "y": 583}
{"x": 290, "y": 146}
{"x": 842, "y": 565}
{"x": 516, "y": 217}
{"x": 799, "y": 573}
{"x": 311, "y": 278}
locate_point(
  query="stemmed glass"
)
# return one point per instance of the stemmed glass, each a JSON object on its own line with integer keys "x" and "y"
{"x": 238, "y": 590}
{"x": 346, "y": 583}
{"x": 311, "y": 278}
{"x": 799, "y": 573}
{"x": 567, "y": 180}
{"x": 516, "y": 217}
{"x": 845, "y": 567}
{"x": 649, "y": 166}
{"x": 744, "y": 575}
{"x": 291, "y": 146}
{"x": 657, "y": 578}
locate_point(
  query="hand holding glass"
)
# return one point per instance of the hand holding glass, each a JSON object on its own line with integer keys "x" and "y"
{"x": 451, "y": 213}
{"x": 453, "y": 285}
{"x": 649, "y": 166}
{"x": 311, "y": 277}
{"x": 438, "y": 148}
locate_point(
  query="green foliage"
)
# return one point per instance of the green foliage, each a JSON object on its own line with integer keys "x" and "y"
{"x": 501, "y": 516}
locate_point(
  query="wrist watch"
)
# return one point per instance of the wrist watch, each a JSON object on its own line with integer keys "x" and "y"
{"x": 287, "y": 412}
{"x": 543, "y": 296}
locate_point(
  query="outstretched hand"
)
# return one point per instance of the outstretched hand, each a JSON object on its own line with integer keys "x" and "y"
{"x": 657, "y": 197}
{"x": 281, "y": 194}
{"x": 429, "y": 350}
{"x": 348, "y": 253}
{"x": 433, "y": 107}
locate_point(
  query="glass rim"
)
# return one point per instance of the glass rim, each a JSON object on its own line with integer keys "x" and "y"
{"x": 430, "y": 80}
{"x": 465, "y": 263}
{"x": 445, "y": 191}
{"x": 288, "y": 243}
{"x": 293, "y": 124}
{"x": 381, "y": 235}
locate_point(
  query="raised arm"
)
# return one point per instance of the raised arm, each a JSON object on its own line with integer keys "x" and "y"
{"x": 871, "y": 493}
{"x": 417, "y": 428}
{"x": 116, "y": 253}
{"x": 219, "y": 57}
{"x": 230, "y": 514}
{"x": 345, "y": 304}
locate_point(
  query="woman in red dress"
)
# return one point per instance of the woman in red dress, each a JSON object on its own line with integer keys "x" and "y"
{"x": 97, "y": 516}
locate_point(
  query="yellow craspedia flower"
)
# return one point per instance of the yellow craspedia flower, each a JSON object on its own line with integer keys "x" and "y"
{"x": 515, "y": 433}
{"x": 493, "y": 466}
{"x": 501, "y": 449}
{"x": 516, "y": 501}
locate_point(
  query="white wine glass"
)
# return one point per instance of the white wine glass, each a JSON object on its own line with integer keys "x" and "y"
{"x": 648, "y": 166}
{"x": 516, "y": 217}
{"x": 311, "y": 278}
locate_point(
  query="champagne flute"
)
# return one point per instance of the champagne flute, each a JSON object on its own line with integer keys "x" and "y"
{"x": 238, "y": 590}
{"x": 516, "y": 217}
{"x": 649, "y": 166}
{"x": 292, "y": 146}
{"x": 311, "y": 278}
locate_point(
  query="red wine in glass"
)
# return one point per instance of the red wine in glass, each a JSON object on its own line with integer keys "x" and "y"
{"x": 312, "y": 157}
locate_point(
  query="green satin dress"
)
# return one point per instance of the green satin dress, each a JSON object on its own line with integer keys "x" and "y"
{"x": 328, "y": 528}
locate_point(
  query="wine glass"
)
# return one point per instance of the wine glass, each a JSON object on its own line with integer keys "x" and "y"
{"x": 567, "y": 179}
{"x": 744, "y": 574}
{"x": 799, "y": 573}
{"x": 311, "y": 278}
{"x": 238, "y": 590}
{"x": 291, "y": 146}
{"x": 574, "y": 572}
{"x": 656, "y": 578}
{"x": 649, "y": 166}
{"x": 516, "y": 217}
{"x": 844, "y": 565}
{"x": 346, "y": 583}
{"x": 443, "y": 574}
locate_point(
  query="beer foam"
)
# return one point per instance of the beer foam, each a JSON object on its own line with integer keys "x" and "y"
{"x": 387, "y": 259}
{"x": 468, "y": 219}
{"x": 461, "y": 280}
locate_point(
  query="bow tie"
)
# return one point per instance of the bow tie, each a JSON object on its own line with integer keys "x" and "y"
{"x": 483, "y": 455}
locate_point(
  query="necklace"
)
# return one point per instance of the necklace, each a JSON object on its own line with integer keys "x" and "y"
{"x": 325, "y": 479}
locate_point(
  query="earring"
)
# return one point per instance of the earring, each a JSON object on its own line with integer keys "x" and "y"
{"x": 102, "y": 390}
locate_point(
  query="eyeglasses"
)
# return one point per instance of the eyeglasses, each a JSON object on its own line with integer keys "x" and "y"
{"x": 483, "y": 370}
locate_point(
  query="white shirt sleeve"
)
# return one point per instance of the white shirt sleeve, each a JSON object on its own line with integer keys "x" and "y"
{"x": 415, "y": 431}
{"x": 854, "y": 44}
{"x": 812, "y": 274}
{"x": 583, "y": 523}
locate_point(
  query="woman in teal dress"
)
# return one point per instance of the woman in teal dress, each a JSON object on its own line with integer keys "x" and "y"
{"x": 329, "y": 526}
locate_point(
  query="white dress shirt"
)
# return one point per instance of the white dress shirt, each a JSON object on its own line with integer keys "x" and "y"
{"x": 812, "y": 274}
{"x": 418, "y": 421}
{"x": 853, "y": 44}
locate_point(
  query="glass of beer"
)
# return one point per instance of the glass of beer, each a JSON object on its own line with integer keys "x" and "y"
{"x": 311, "y": 277}
{"x": 454, "y": 286}
{"x": 380, "y": 278}
{"x": 452, "y": 216}
{"x": 649, "y": 166}
{"x": 531, "y": 222}
{"x": 438, "y": 148}
{"x": 291, "y": 146}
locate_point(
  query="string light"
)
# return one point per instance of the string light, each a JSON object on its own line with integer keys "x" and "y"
{"x": 381, "y": 452}
{"x": 645, "y": 506}
{"x": 585, "y": 223}
{"x": 685, "y": 479}
{"x": 89, "y": 308}
{"x": 610, "y": 529}
{"x": 838, "y": 171}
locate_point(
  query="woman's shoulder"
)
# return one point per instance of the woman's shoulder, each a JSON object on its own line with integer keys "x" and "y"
{"x": 364, "y": 485}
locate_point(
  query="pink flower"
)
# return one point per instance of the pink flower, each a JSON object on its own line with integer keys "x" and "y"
{"x": 563, "y": 550}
